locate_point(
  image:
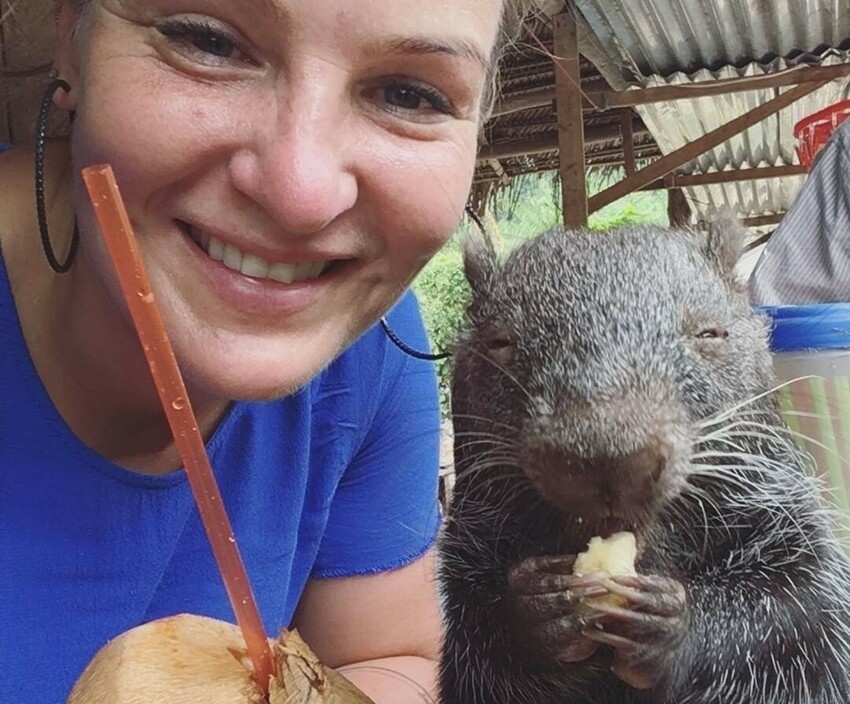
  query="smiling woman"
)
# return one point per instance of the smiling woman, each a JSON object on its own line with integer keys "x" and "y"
{"x": 288, "y": 167}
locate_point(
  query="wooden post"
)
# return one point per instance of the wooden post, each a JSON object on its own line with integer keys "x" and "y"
{"x": 568, "y": 99}
{"x": 678, "y": 208}
{"x": 628, "y": 141}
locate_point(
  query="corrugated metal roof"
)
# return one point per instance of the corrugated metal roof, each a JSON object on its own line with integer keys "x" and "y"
{"x": 768, "y": 143}
{"x": 666, "y": 42}
{"x": 666, "y": 36}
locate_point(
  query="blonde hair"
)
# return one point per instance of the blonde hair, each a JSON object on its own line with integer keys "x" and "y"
{"x": 28, "y": 37}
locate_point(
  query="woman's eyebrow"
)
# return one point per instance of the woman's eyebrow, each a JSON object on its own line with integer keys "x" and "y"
{"x": 451, "y": 46}
{"x": 458, "y": 47}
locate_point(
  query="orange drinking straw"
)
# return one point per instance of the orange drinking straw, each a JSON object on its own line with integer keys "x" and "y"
{"x": 118, "y": 233}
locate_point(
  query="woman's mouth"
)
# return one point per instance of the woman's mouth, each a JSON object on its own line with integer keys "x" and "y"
{"x": 250, "y": 264}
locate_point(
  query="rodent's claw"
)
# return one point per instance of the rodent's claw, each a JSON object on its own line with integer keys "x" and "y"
{"x": 580, "y": 649}
{"x": 545, "y": 599}
{"x": 660, "y": 596}
{"x": 639, "y": 678}
{"x": 639, "y": 627}
{"x": 643, "y": 632}
{"x": 593, "y": 632}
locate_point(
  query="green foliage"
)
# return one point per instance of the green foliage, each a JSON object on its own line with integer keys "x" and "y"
{"x": 443, "y": 294}
{"x": 529, "y": 206}
{"x": 646, "y": 208}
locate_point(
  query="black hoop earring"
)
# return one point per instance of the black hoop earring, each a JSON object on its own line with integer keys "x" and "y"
{"x": 40, "y": 137}
{"x": 396, "y": 340}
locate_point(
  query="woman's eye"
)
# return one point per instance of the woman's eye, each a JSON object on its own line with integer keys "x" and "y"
{"x": 415, "y": 98}
{"x": 201, "y": 37}
{"x": 213, "y": 44}
{"x": 403, "y": 97}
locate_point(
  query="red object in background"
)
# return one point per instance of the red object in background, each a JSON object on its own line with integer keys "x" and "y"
{"x": 813, "y": 132}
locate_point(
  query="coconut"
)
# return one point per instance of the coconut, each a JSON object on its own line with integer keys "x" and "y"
{"x": 188, "y": 659}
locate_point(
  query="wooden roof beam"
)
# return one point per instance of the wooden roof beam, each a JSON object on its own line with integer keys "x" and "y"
{"x": 703, "y": 89}
{"x": 548, "y": 142}
{"x": 609, "y": 100}
{"x": 759, "y": 241}
{"x": 731, "y": 176}
{"x": 763, "y": 220}
{"x": 672, "y": 161}
{"x": 499, "y": 170}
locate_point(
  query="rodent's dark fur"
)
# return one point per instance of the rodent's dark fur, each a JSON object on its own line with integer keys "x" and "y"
{"x": 587, "y": 346}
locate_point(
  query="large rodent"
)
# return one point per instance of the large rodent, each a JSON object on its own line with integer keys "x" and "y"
{"x": 619, "y": 381}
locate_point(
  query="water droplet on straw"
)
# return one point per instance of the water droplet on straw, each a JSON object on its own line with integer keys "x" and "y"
{"x": 146, "y": 297}
{"x": 178, "y": 404}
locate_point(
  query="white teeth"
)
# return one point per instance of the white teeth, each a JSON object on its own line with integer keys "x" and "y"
{"x": 215, "y": 249}
{"x": 304, "y": 270}
{"x": 254, "y": 266}
{"x": 232, "y": 257}
{"x": 285, "y": 273}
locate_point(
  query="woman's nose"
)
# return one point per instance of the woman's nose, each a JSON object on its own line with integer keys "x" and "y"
{"x": 298, "y": 168}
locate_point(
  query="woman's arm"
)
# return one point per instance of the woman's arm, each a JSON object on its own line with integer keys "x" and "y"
{"x": 383, "y": 631}
{"x": 405, "y": 680}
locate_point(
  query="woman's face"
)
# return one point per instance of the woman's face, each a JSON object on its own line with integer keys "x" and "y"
{"x": 288, "y": 165}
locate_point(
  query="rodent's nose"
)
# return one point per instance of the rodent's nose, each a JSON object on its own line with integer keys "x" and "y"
{"x": 644, "y": 464}
{"x": 598, "y": 482}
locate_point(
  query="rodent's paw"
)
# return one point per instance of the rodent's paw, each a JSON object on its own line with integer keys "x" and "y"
{"x": 546, "y": 599}
{"x": 643, "y": 631}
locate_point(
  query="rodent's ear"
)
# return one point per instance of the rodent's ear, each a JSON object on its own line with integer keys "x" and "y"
{"x": 726, "y": 241}
{"x": 480, "y": 263}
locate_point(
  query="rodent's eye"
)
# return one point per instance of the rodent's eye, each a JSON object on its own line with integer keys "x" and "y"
{"x": 500, "y": 346}
{"x": 710, "y": 342}
{"x": 712, "y": 334}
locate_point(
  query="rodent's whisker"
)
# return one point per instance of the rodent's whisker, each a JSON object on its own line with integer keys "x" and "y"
{"x": 477, "y": 441}
{"x": 807, "y": 438}
{"x": 726, "y": 413}
{"x": 765, "y": 494}
{"x": 793, "y": 412}
{"x": 483, "y": 419}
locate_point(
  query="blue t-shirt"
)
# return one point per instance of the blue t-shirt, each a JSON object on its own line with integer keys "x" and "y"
{"x": 338, "y": 479}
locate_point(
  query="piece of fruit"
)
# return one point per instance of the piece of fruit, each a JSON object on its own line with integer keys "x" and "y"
{"x": 614, "y": 556}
